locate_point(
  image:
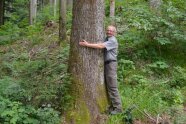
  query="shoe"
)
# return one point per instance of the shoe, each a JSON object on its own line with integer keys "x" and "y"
{"x": 116, "y": 111}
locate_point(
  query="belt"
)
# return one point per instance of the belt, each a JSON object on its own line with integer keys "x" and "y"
{"x": 107, "y": 62}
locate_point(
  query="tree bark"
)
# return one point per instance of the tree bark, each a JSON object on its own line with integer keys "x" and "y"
{"x": 86, "y": 65}
{"x": 33, "y": 11}
{"x": 62, "y": 20}
{"x": 112, "y": 8}
{"x": 1, "y": 12}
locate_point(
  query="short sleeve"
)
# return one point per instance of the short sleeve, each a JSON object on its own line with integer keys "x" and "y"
{"x": 110, "y": 44}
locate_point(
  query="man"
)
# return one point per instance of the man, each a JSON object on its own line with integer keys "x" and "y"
{"x": 110, "y": 47}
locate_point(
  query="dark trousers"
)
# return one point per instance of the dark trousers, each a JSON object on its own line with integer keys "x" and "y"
{"x": 111, "y": 83}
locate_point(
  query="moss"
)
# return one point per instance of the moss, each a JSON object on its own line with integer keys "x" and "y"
{"x": 102, "y": 100}
{"x": 80, "y": 113}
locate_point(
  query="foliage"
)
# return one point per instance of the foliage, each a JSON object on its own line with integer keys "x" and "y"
{"x": 149, "y": 32}
{"x": 178, "y": 77}
{"x": 34, "y": 83}
{"x": 159, "y": 67}
{"x": 9, "y": 33}
{"x": 13, "y": 112}
{"x": 36, "y": 87}
{"x": 125, "y": 68}
{"x": 17, "y": 12}
{"x": 46, "y": 14}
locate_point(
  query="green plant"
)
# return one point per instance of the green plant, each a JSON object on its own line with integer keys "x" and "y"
{"x": 125, "y": 67}
{"x": 178, "y": 77}
{"x": 9, "y": 33}
{"x": 137, "y": 79}
{"x": 65, "y": 98}
{"x": 159, "y": 67}
{"x": 13, "y": 112}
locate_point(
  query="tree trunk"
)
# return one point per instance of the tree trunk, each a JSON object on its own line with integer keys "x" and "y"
{"x": 1, "y": 12}
{"x": 33, "y": 11}
{"x": 55, "y": 7}
{"x": 62, "y": 20}
{"x": 155, "y": 4}
{"x": 86, "y": 65}
{"x": 112, "y": 8}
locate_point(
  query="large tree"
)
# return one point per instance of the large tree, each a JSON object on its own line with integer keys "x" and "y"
{"x": 86, "y": 66}
{"x": 1, "y": 12}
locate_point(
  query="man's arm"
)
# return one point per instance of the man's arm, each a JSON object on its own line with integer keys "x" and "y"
{"x": 92, "y": 45}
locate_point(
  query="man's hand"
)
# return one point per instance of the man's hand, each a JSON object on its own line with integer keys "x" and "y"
{"x": 83, "y": 43}
{"x": 92, "y": 45}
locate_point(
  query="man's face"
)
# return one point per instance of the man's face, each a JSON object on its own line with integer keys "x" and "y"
{"x": 110, "y": 32}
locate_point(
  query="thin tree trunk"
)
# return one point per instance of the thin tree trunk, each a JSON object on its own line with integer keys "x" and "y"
{"x": 62, "y": 20}
{"x": 112, "y": 8}
{"x": 55, "y": 7}
{"x": 33, "y": 11}
{"x": 86, "y": 65}
{"x": 1, "y": 12}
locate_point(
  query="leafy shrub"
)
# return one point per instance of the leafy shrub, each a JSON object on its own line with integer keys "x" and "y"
{"x": 137, "y": 80}
{"x": 9, "y": 33}
{"x": 125, "y": 67}
{"x": 145, "y": 34}
{"x": 15, "y": 113}
{"x": 46, "y": 14}
{"x": 178, "y": 77}
{"x": 159, "y": 67}
{"x": 172, "y": 96}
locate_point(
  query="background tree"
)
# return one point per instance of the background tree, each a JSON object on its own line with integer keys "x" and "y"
{"x": 112, "y": 8}
{"x": 86, "y": 66}
{"x": 1, "y": 12}
{"x": 53, "y": 5}
{"x": 33, "y": 11}
{"x": 62, "y": 20}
